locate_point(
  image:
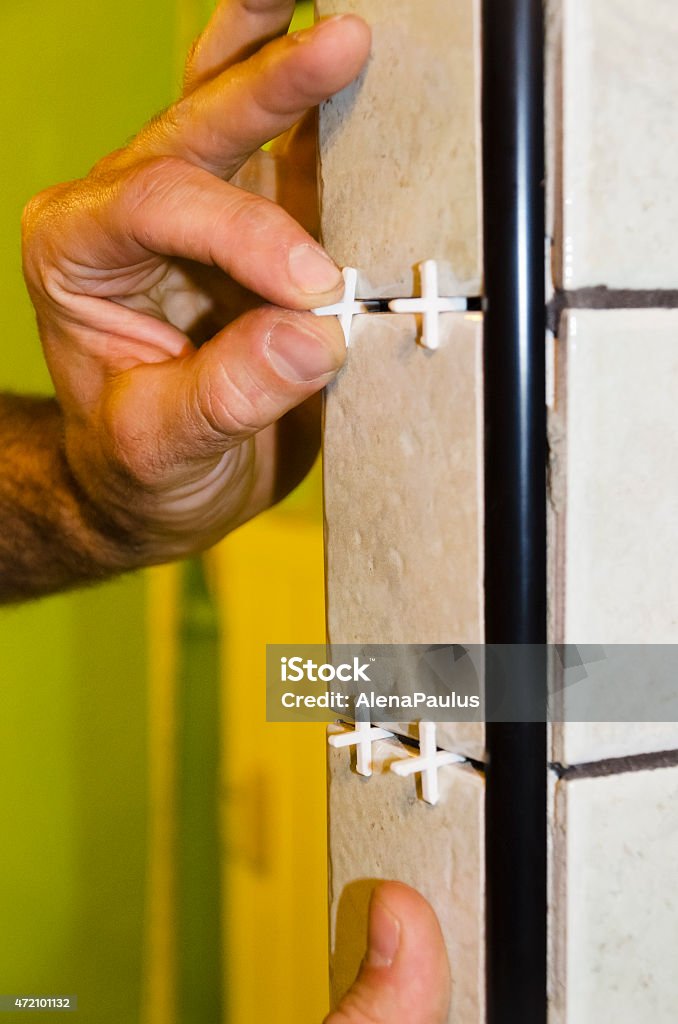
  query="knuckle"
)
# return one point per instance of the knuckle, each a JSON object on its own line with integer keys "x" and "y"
{"x": 109, "y": 167}
{"x": 155, "y": 177}
{"x": 148, "y": 185}
{"x": 31, "y": 213}
{"x": 246, "y": 216}
{"x": 249, "y": 213}
{"x": 190, "y": 65}
{"x": 42, "y": 227}
{"x": 42, "y": 208}
{"x": 158, "y": 129}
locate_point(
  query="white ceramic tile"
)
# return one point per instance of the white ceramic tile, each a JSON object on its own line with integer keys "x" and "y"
{"x": 614, "y": 912}
{"x": 614, "y": 78}
{"x": 585, "y": 742}
{"x": 380, "y": 828}
{"x": 400, "y": 150}
{"x": 614, "y": 508}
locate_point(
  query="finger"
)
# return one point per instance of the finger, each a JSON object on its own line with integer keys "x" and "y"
{"x": 250, "y": 375}
{"x": 220, "y": 124}
{"x": 236, "y": 29}
{"x": 171, "y": 208}
{"x": 405, "y": 978}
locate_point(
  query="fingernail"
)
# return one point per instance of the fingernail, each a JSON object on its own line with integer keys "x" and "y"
{"x": 299, "y": 354}
{"x": 331, "y": 20}
{"x": 313, "y": 271}
{"x": 307, "y": 34}
{"x": 384, "y": 935}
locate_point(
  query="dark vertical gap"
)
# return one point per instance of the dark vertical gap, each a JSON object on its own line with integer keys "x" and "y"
{"x": 515, "y": 488}
{"x": 200, "y": 939}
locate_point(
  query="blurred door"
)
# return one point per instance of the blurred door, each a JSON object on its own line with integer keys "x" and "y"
{"x": 270, "y": 582}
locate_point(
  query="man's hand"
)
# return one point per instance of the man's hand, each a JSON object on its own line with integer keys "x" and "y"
{"x": 154, "y": 253}
{"x": 405, "y": 978}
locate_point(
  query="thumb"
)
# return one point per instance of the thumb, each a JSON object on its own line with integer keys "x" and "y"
{"x": 257, "y": 369}
{"x": 246, "y": 378}
{"x": 405, "y": 978}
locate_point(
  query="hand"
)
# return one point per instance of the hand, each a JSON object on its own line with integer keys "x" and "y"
{"x": 131, "y": 268}
{"x": 405, "y": 978}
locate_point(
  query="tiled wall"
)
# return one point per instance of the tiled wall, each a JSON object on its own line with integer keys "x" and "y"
{"x": 612, "y": 81}
{"x": 403, "y": 472}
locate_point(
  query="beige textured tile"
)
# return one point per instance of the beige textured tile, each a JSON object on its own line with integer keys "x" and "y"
{"x": 614, "y": 911}
{"x": 467, "y": 738}
{"x": 403, "y": 485}
{"x": 379, "y": 828}
{"x": 400, "y": 149}
{"x": 614, "y": 508}
{"x": 614, "y": 77}
{"x": 459, "y": 737}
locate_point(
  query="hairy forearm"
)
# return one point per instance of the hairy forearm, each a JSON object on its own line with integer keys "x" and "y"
{"x": 52, "y": 535}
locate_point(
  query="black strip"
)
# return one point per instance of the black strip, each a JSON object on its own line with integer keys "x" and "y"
{"x": 473, "y": 304}
{"x": 515, "y": 489}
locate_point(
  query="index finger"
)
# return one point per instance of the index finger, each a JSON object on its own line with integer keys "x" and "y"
{"x": 222, "y": 122}
{"x": 236, "y": 30}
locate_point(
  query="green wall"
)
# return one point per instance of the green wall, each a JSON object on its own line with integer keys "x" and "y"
{"x": 76, "y": 79}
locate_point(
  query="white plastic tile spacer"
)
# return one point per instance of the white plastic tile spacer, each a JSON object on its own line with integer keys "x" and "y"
{"x": 430, "y": 304}
{"x": 348, "y": 307}
{"x": 428, "y": 762}
{"x": 362, "y": 738}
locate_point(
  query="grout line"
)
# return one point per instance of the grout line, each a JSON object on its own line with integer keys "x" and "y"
{"x": 601, "y": 297}
{"x": 617, "y": 765}
{"x": 413, "y": 743}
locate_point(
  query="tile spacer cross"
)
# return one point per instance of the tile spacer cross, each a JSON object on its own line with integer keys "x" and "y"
{"x": 429, "y": 761}
{"x": 362, "y": 738}
{"x": 348, "y": 307}
{"x": 430, "y": 304}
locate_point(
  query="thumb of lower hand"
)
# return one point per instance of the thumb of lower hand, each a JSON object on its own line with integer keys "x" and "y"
{"x": 405, "y": 978}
